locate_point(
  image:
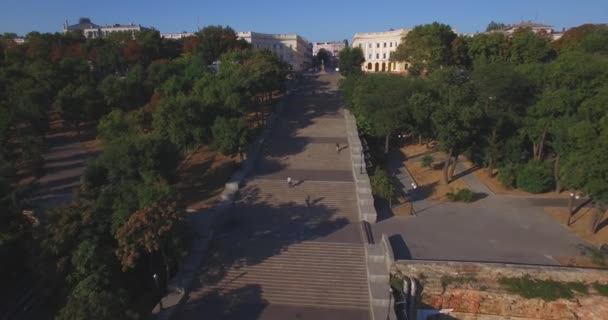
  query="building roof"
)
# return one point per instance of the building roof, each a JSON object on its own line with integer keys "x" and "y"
{"x": 528, "y": 24}
{"x": 83, "y": 23}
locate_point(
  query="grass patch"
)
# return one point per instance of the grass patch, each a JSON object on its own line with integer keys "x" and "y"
{"x": 602, "y": 289}
{"x": 461, "y": 195}
{"x": 547, "y": 290}
{"x": 596, "y": 255}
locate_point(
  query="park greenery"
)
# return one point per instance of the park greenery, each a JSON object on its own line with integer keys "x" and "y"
{"x": 531, "y": 110}
{"x": 152, "y": 101}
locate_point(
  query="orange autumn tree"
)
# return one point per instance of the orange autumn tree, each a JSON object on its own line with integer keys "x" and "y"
{"x": 147, "y": 231}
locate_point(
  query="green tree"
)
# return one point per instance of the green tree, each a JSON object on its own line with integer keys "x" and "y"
{"x": 213, "y": 41}
{"x": 457, "y": 119}
{"x": 492, "y": 26}
{"x": 381, "y": 100}
{"x": 529, "y": 47}
{"x": 80, "y": 103}
{"x": 323, "y": 57}
{"x": 382, "y": 185}
{"x": 428, "y": 46}
{"x": 230, "y": 135}
{"x": 489, "y": 48}
{"x": 350, "y": 60}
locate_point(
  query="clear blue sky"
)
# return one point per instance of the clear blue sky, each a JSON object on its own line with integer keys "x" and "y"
{"x": 327, "y": 20}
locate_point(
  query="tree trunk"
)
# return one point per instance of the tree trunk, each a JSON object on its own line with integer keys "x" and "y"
{"x": 490, "y": 167}
{"x": 419, "y": 139}
{"x": 166, "y": 265}
{"x": 598, "y": 216}
{"x": 541, "y": 144}
{"x": 386, "y": 143}
{"x": 453, "y": 167}
{"x": 446, "y": 164}
{"x": 558, "y": 187}
{"x": 534, "y": 149}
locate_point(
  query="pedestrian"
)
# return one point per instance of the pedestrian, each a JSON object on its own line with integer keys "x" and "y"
{"x": 337, "y": 148}
{"x": 289, "y": 182}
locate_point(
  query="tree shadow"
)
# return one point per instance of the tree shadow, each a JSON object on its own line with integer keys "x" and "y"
{"x": 258, "y": 227}
{"x": 465, "y": 172}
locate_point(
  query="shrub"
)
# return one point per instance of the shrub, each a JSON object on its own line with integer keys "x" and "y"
{"x": 382, "y": 185}
{"x": 461, "y": 195}
{"x": 427, "y": 161}
{"x": 535, "y": 177}
{"x": 506, "y": 175}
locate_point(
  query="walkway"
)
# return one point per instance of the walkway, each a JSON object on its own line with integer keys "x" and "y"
{"x": 291, "y": 253}
{"x": 493, "y": 229}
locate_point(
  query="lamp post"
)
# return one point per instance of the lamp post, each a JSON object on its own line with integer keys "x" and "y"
{"x": 573, "y": 196}
{"x": 160, "y": 302}
{"x": 412, "y": 211}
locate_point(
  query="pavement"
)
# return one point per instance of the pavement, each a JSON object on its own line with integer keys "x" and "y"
{"x": 492, "y": 229}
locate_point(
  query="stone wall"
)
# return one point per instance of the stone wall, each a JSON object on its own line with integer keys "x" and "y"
{"x": 365, "y": 200}
{"x": 473, "y": 291}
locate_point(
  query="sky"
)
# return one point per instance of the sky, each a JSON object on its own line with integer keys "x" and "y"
{"x": 315, "y": 20}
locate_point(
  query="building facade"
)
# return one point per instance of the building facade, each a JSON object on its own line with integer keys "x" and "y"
{"x": 537, "y": 28}
{"x": 176, "y": 36}
{"x": 377, "y": 48}
{"x": 290, "y": 48}
{"x": 333, "y": 47}
{"x": 92, "y": 31}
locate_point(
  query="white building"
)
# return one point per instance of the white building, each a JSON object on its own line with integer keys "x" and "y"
{"x": 91, "y": 30}
{"x": 377, "y": 48}
{"x": 537, "y": 28}
{"x": 333, "y": 47}
{"x": 176, "y": 36}
{"x": 290, "y": 48}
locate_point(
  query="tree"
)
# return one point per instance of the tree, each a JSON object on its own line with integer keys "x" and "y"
{"x": 529, "y": 47}
{"x": 79, "y": 103}
{"x": 230, "y": 135}
{"x": 503, "y": 94}
{"x": 148, "y": 231}
{"x": 456, "y": 121}
{"x": 382, "y": 185}
{"x": 489, "y": 48}
{"x": 185, "y": 120}
{"x": 428, "y": 46}
{"x": 350, "y": 60}
{"x": 213, "y": 41}
{"x": 381, "y": 101}
{"x": 323, "y": 56}
{"x": 492, "y": 26}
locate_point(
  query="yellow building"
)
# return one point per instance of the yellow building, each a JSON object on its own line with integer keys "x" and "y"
{"x": 377, "y": 48}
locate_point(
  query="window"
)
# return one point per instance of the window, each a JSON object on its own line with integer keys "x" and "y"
{"x": 359, "y": 46}
{"x": 378, "y": 45}
{"x": 377, "y": 56}
{"x": 384, "y": 55}
{"x": 385, "y": 44}
{"x": 370, "y": 56}
{"x": 391, "y": 44}
{"x": 369, "y": 45}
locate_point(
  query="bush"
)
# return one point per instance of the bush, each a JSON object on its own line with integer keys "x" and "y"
{"x": 535, "y": 177}
{"x": 427, "y": 161}
{"x": 382, "y": 185}
{"x": 462, "y": 195}
{"x": 507, "y": 176}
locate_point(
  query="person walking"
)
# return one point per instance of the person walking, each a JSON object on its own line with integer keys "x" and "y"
{"x": 289, "y": 182}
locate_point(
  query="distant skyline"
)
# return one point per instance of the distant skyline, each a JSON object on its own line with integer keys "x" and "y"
{"x": 326, "y": 21}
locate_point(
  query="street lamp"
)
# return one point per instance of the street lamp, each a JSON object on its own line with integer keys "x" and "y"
{"x": 412, "y": 211}
{"x": 160, "y": 302}
{"x": 573, "y": 196}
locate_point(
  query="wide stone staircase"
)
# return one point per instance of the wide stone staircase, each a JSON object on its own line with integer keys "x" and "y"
{"x": 314, "y": 274}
